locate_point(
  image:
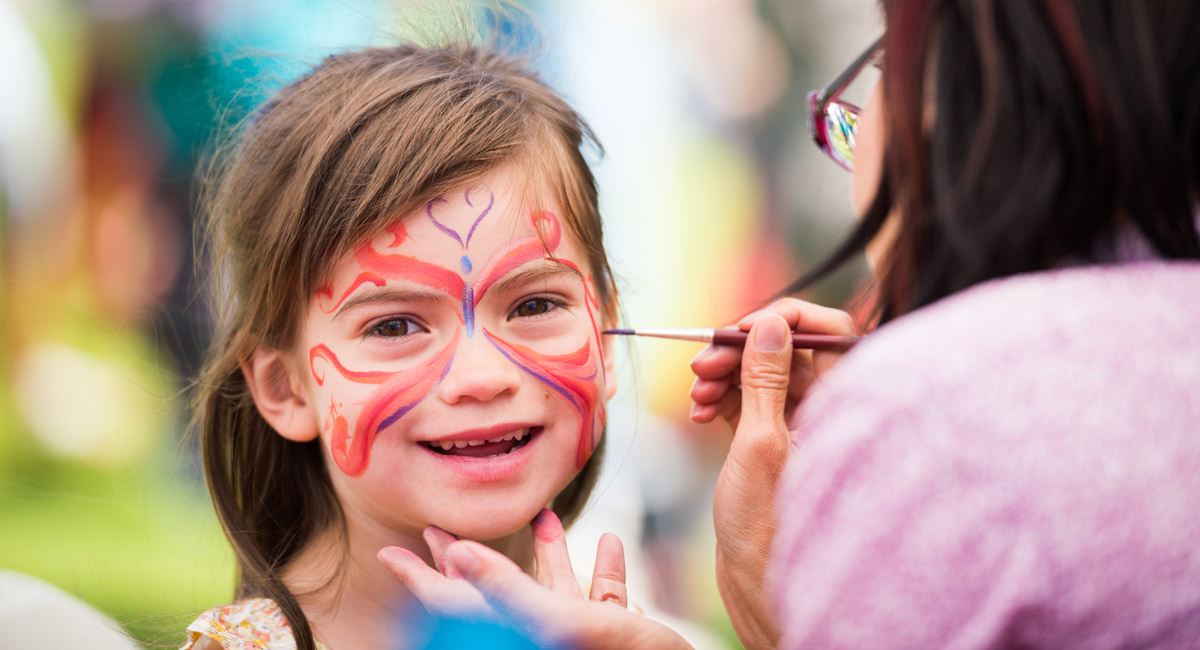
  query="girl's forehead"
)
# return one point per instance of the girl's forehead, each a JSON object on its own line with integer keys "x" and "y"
{"x": 471, "y": 218}
{"x": 468, "y": 229}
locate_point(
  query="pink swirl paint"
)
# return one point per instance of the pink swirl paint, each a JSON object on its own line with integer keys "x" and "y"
{"x": 398, "y": 393}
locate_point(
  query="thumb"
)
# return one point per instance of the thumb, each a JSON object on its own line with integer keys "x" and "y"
{"x": 766, "y": 368}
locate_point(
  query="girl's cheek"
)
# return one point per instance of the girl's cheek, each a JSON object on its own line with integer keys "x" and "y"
{"x": 560, "y": 341}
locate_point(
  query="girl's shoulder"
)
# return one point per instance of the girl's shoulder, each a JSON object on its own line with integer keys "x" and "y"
{"x": 252, "y": 623}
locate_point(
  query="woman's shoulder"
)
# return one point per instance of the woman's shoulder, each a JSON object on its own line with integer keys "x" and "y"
{"x": 1046, "y": 319}
{"x": 250, "y": 623}
{"x": 1108, "y": 353}
{"x": 1061, "y": 371}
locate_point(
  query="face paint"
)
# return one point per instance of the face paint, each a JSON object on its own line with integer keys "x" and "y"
{"x": 521, "y": 252}
{"x": 397, "y": 394}
{"x": 571, "y": 375}
{"x": 576, "y": 377}
{"x": 378, "y": 269}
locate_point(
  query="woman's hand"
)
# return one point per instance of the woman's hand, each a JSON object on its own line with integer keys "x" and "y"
{"x": 478, "y": 582}
{"x": 718, "y": 368}
{"x": 755, "y": 390}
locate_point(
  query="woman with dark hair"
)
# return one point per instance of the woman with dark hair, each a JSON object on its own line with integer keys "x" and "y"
{"x": 1012, "y": 460}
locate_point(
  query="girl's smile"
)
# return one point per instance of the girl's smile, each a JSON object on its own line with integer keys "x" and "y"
{"x": 487, "y": 459}
{"x": 459, "y": 349}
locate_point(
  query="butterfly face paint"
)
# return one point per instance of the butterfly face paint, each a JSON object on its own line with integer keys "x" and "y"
{"x": 469, "y": 326}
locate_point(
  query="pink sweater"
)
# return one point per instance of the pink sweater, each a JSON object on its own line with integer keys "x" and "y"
{"x": 1017, "y": 466}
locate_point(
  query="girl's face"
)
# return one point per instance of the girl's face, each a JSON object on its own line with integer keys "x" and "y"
{"x": 455, "y": 367}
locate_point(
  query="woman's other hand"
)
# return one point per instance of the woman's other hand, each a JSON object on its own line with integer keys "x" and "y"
{"x": 475, "y": 582}
{"x": 755, "y": 390}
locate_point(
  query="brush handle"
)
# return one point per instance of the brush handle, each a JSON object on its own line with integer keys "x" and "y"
{"x": 738, "y": 338}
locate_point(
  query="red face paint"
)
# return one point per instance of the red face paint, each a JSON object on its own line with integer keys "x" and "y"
{"x": 520, "y": 252}
{"x": 399, "y": 234}
{"x": 574, "y": 377}
{"x": 397, "y": 394}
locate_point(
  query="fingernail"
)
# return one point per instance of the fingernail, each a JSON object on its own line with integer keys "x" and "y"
{"x": 546, "y": 526}
{"x": 462, "y": 558}
{"x": 771, "y": 334}
{"x": 693, "y": 410}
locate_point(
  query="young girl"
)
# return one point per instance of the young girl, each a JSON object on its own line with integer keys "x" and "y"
{"x": 409, "y": 250}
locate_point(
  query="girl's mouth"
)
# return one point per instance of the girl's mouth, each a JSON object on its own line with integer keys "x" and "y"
{"x": 494, "y": 447}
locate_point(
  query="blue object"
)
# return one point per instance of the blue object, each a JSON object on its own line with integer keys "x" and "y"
{"x": 451, "y": 634}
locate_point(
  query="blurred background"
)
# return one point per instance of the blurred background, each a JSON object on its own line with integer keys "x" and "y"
{"x": 713, "y": 195}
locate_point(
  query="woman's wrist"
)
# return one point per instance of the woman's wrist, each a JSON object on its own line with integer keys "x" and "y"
{"x": 745, "y": 592}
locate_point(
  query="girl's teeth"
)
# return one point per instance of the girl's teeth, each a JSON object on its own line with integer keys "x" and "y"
{"x": 515, "y": 435}
{"x": 447, "y": 445}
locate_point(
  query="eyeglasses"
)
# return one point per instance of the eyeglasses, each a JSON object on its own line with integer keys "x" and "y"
{"x": 834, "y": 123}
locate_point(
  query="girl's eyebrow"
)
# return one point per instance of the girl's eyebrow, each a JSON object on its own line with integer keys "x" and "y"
{"x": 553, "y": 268}
{"x": 389, "y": 294}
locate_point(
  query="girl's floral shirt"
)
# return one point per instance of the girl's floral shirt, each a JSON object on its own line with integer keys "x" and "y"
{"x": 252, "y": 624}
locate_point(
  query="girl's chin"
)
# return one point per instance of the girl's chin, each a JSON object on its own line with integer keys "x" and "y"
{"x": 486, "y": 522}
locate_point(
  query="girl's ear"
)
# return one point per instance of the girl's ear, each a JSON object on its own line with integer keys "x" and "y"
{"x": 279, "y": 395}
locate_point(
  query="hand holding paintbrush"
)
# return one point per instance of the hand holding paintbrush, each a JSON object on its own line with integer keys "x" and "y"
{"x": 738, "y": 338}
{"x": 825, "y": 334}
{"x": 753, "y": 380}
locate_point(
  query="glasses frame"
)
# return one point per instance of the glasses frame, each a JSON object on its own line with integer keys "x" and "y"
{"x": 818, "y": 102}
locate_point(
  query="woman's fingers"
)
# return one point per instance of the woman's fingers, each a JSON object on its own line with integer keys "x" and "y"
{"x": 550, "y": 619}
{"x": 707, "y": 391}
{"x": 504, "y": 586}
{"x": 550, "y": 554}
{"x": 804, "y": 317}
{"x": 766, "y": 379}
{"x": 438, "y": 594}
{"x": 608, "y": 577}
{"x": 716, "y": 393}
{"x": 438, "y": 540}
{"x": 716, "y": 361}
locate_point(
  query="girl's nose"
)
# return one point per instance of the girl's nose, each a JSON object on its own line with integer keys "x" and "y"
{"x": 479, "y": 371}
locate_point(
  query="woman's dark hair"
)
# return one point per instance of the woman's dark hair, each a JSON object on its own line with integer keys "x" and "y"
{"x": 1025, "y": 134}
{"x": 330, "y": 161}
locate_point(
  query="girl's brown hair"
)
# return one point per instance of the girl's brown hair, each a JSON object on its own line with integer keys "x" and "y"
{"x": 334, "y": 158}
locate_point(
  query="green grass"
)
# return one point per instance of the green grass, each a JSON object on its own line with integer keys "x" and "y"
{"x": 141, "y": 546}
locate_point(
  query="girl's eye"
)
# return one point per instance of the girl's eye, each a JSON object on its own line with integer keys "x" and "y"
{"x": 536, "y": 307}
{"x": 396, "y": 327}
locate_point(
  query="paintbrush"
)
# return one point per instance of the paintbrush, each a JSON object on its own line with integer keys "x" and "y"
{"x": 737, "y": 338}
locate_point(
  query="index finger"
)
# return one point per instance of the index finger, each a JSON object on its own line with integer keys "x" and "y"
{"x": 804, "y": 316}
{"x": 438, "y": 540}
{"x": 550, "y": 553}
